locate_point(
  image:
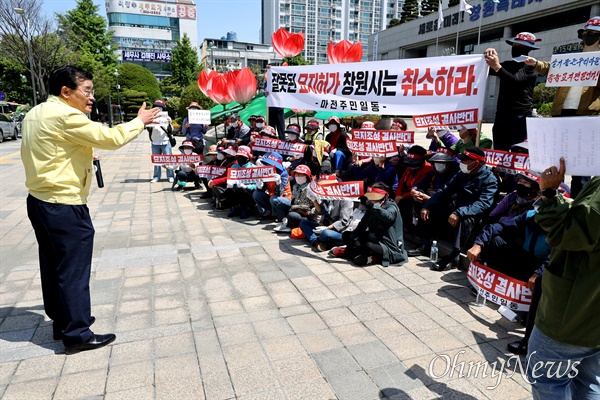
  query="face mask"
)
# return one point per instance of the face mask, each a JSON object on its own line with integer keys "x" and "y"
{"x": 464, "y": 168}
{"x": 590, "y": 38}
{"x": 187, "y": 151}
{"x": 300, "y": 180}
{"x": 332, "y": 128}
{"x": 292, "y": 136}
{"x": 519, "y": 51}
{"x": 439, "y": 167}
{"x": 209, "y": 158}
{"x": 523, "y": 201}
{"x": 220, "y": 157}
{"x": 234, "y": 124}
{"x": 524, "y": 191}
{"x": 242, "y": 160}
{"x": 260, "y": 125}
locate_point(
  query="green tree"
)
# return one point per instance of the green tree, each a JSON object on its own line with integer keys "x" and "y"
{"x": 297, "y": 60}
{"x": 429, "y": 6}
{"x": 394, "y": 22}
{"x": 13, "y": 81}
{"x": 140, "y": 79}
{"x": 173, "y": 106}
{"x": 543, "y": 94}
{"x": 184, "y": 62}
{"x": 410, "y": 11}
{"x": 259, "y": 74}
{"x": 169, "y": 88}
{"x": 131, "y": 100}
{"x": 453, "y": 3}
{"x": 193, "y": 93}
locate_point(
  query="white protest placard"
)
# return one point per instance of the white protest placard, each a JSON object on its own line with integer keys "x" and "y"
{"x": 577, "y": 139}
{"x": 574, "y": 69}
{"x": 199, "y": 117}
{"x": 397, "y": 87}
{"x": 163, "y": 120}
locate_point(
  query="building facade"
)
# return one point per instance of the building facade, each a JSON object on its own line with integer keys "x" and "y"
{"x": 147, "y": 31}
{"x": 554, "y": 21}
{"x": 323, "y": 21}
{"x": 231, "y": 54}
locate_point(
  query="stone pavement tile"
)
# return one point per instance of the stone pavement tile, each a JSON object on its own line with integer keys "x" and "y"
{"x": 311, "y": 390}
{"x": 441, "y": 299}
{"x": 129, "y": 376}
{"x": 342, "y": 290}
{"x": 133, "y": 322}
{"x": 279, "y": 348}
{"x": 338, "y": 316}
{"x": 440, "y": 340}
{"x": 10, "y": 297}
{"x": 336, "y": 363}
{"x": 236, "y": 334}
{"x": 19, "y": 275}
{"x": 138, "y": 393}
{"x": 317, "y": 341}
{"x": 134, "y": 306}
{"x": 168, "y": 302}
{"x": 20, "y": 322}
{"x": 411, "y": 279}
{"x": 397, "y": 307}
{"x": 229, "y": 320}
{"x": 460, "y": 313}
{"x": 368, "y": 311}
{"x": 295, "y": 370}
{"x": 81, "y": 385}
{"x": 258, "y": 378}
{"x": 271, "y": 276}
{"x": 272, "y": 328}
{"x": 461, "y": 294}
{"x": 256, "y": 316}
{"x": 295, "y": 310}
{"x": 275, "y": 394}
{"x": 354, "y": 386}
{"x": 133, "y": 293}
{"x": 333, "y": 278}
{"x": 7, "y": 369}
{"x": 386, "y": 327}
{"x": 353, "y": 334}
{"x": 306, "y": 323}
{"x": 125, "y": 353}
{"x": 244, "y": 355}
{"x": 37, "y": 389}
{"x": 169, "y": 346}
{"x": 372, "y": 354}
{"x": 465, "y": 335}
{"x": 247, "y": 284}
{"x": 306, "y": 282}
{"x": 371, "y": 286}
{"x": 223, "y": 308}
{"x": 87, "y": 360}
{"x": 487, "y": 331}
{"x": 279, "y": 287}
{"x": 38, "y": 368}
{"x": 327, "y": 304}
{"x": 417, "y": 322}
{"x": 258, "y": 303}
{"x": 138, "y": 280}
{"x": 406, "y": 346}
{"x": 317, "y": 294}
{"x": 290, "y": 299}
{"x": 357, "y": 274}
{"x": 393, "y": 377}
{"x": 217, "y": 385}
{"x": 178, "y": 377}
{"x": 459, "y": 389}
{"x": 293, "y": 269}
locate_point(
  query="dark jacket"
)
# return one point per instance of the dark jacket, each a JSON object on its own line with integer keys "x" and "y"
{"x": 372, "y": 173}
{"x": 474, "y": 193}
{"x": 517, "y": 81}
{"x": 195, "y": 131}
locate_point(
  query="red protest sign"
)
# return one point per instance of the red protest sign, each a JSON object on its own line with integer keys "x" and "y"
{"x": 176, "y": 158}
{"x": 459, "y": 117}
{"x": 400, "y": 137}
{"x": 372, "y": 148}
{"x": 210, "y": 171}
{"x": 280, "y": 146}
{"x": 338, "y": 191}
{"x": 513, "y": 163}
{"x": 236, "y": 176}
{"x": 499, "y": 288}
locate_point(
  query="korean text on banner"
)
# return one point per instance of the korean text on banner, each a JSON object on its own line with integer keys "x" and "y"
{"x": 499, "y": 288}
{"x": 372, "y": 148}
{"x": 163, "y": 120}
{"x": 236, "y": 176}
{"x": 574, "y": 138}
{"x": 402, "y": 87}
{"x": 575, "y": 69}
{"x": 337, "y": 191}
{"x": 210, "y": 171}
{"x": 512, "y": 163}
{"x": 469, "y": 118}
{"x": 280, "y": 146}
{"x": 171, "y": 159}
{"x": 199, "y": 117}
{"x": 400, "y": 137}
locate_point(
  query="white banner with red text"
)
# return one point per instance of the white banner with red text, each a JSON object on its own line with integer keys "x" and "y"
{"x": 236, "y": 176}
{"x": 337, "y": 191}
{"x": 176, "y": 158}
{"x": 448, "y": 119}
{"x": 499, "y": 288}
{"x": 210, "y": 171}
{"x": 400, "y": 137}
{"x": 372, "y": 148}
{"x": 395, "y": 87}
{"x": 505, "y": 161}
{"x": 279, "y": 146}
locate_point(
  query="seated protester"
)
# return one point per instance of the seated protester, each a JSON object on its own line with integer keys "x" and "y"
{"x": 312, "y": 132}
{"x": 515, "y": 246}
{"x": 318, "y": 161}
{"x": 518, "y": 201}
{"x": 337, "y": 216}
{"x": 399, "y": 125}
{"x": 291, "y": 212}
{"x": 252, "y": 121}
{"x": 211, "y": 158}
{"x": 260, "y": 121}
{"x": 293, "y": 133}
{"x": 467, "y": 139}
{"x": 416, "y": 170}
{"x": 280, "y": 188}
{"x": 219, "y": 185}
{"x": 194, "y": 132}
{"x": 440, "y": 139}
{"x": 266, "y": 132}
{"x": 185, "y": 172}
{"x": 378, "y": 238}
{"x": 461, "y": 205}
{"x": 340, "y": 155}
{"x": 379, "y": 169}
{"x": 238, "y": 133}
{"x": 241, "y": 194}
{"x": 444, "y": 169}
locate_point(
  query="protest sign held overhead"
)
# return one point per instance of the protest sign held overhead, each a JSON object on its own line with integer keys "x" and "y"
{"x": 577, "y": 69}
{"x": 400, "y": 137}
{"x": 337, "y": 191}
{"x": 236, "y": 176}
{"x": 176, "y": 158}
{"x": 499, "y": 288}
{"x": 445, "y": 119}
{"x": 372, "y": 148}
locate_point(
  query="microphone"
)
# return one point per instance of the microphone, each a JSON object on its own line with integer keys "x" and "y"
{"x": 98, "y": 170}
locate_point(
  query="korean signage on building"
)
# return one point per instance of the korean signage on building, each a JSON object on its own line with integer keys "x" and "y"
{"x": 161, "y": 9}
{"x": 146, "y": 56}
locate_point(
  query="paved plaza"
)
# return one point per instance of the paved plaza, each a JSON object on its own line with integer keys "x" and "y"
{"x": 206, "y": 307}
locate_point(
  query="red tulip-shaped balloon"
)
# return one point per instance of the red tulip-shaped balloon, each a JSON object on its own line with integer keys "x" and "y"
{"x": 218, "y": 91}
{"x": 204, "y": 78}
{"x": 242, "y": 85}
{"x": 344, "y": 52}
{"x": 287, "y": 44}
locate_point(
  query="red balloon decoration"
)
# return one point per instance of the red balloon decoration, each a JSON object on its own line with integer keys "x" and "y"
{"x": 344, "y": 52}
{"x": 204, "y": 78}
{"x": 217, "y": 89}
{"x": 287, "y": 44}
{"x": 242, "y": 85}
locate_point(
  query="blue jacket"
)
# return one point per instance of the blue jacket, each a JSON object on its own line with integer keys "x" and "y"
{"x": 373, "y": 173}
{"x": 195, "y": 131}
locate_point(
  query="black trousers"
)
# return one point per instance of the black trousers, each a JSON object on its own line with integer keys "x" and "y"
{"x": 65, "y": 237}
{"x": 509, "y": 129}
{"x": 277, "y": 121}
{"x": 437, "y": 226}
{"x": 510, "y": 258}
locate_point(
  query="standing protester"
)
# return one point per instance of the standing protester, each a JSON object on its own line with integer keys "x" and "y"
{"x": 194, "y": 132}
{"x": 515, "y": 98}
{"x": 275, "y": 117}
{"x": 160, "y": 138}
{"x": 57, "y": 153}
{"x": 564, "y": 347}
{"x": 576, "y": 100}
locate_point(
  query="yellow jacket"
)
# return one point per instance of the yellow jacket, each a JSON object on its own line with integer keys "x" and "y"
{"x": 57, "y": 150}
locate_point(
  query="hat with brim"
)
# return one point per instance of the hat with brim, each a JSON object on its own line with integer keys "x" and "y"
{"x": 442, "y": 156}
{"x": 193, "y": 104}
{"x": 592, "y": 25}
{"x": 375, "y": 194}
{"x": 229, "y": 151}
{"x": 274, "y": 160}
{"x": 301, "y": 169}
{"x": 413, "y": 160}
{"x": 525, "y": 39}
{"x": 472, "y": 153}
{"x": 293, "y": 129}
{"x": 212, "y": 150}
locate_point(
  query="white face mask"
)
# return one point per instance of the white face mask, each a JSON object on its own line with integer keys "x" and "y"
{"x": 292, "y": 136}
{"x": 234, "y": 124}
{"x": 378, "y": 161}
{"x": 464, "y": 168}
{"x": 332, "y": 128}
{"x": 220, "y": 156}
{"x": 187, "y": 151}
{"x": 439, "y": 167}
{"x": 209, "y": 158}
{"x": 260, "y": 125}
{"x": 300, "y": 180}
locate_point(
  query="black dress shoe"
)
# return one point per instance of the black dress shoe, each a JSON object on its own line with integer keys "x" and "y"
{"x": 57, "y": 334}
{"x": 421, "y": 251}
{"x": 517, "y": 348}
{"x": 446, "y": 263}
{"x": 95, "y": 342}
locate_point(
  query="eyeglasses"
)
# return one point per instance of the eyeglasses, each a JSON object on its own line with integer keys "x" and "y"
{"x": 87, "y": 93}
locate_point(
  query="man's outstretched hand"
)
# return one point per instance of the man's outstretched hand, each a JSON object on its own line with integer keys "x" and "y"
{"x": 148, "y": 116}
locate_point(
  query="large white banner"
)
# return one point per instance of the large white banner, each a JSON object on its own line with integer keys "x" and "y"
{"x": 396, "y": 87}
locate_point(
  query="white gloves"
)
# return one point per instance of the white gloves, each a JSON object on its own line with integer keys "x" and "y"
{"x": 310, "y": 195}
{"x": 260, "y": 185}
{"x": 319, "y": 229}
{"x": 242, "y": 186}
{"x": 278, "y": 179}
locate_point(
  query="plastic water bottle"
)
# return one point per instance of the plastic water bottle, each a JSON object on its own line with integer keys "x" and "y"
{"x": 434, "y": 252}
{"x": 480, "y": 300}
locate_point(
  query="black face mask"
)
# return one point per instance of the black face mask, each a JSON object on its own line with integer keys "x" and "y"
{"x": 242, "y": 160}
{"x": 524, "y": 191}
{"x": 590, "y": 38}
{"x": 519, "y": 51}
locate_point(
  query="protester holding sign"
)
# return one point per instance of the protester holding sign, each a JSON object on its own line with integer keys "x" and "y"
{"x": 218, "y": 185}
{"x": 379, "y": 169}
{"x": 340, "y": 155}
{"x": 194, "y": 132}
{"x": 265, "y": 191}
{"x": 468, "y": 138}
{"x": 241, "y": 194}
{"x": 515, "y": 97}
{"x": 291, "y": 212}
{"x": 160, "y": 136}
{"x": 185, "y": 172}
{"x": 440, "y": 139}
{"x": 416, "y": 168}
{"x": 518, "y": 201}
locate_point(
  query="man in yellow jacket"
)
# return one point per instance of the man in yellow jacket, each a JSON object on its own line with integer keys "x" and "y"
{"x": 57, "y": 153}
